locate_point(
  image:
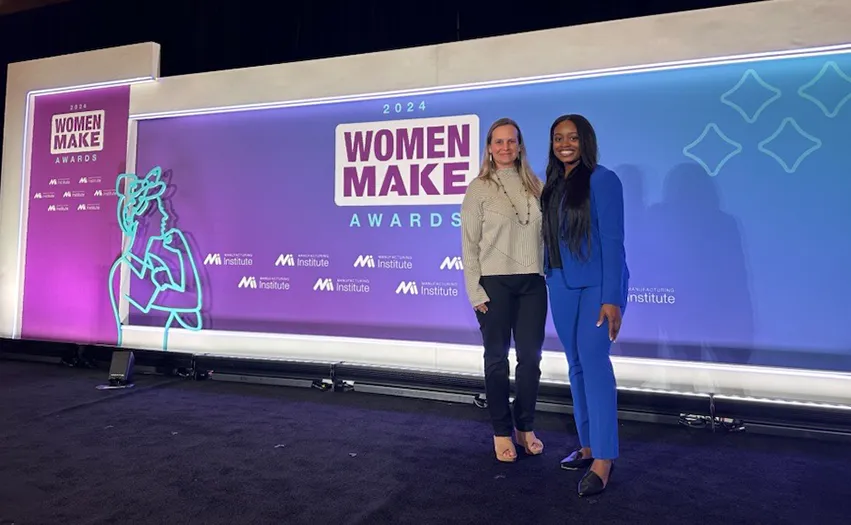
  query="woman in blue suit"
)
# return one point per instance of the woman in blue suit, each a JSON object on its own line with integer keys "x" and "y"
{"x": 587, "y": 276}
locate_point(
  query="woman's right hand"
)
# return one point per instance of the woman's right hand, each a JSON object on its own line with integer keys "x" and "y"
{"x": 483, "y": 308}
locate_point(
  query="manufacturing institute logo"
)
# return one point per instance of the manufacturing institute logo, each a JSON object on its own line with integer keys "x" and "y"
{"x": 326, "y": 284}
{"x": 300, "y": 260}
{"x": 77, "y": 137}
{"x": 229, "y": 259}
{"x": 278, "y": 284}
{"x": 384, "y": 262}
{"x": 428, "y": 288}
{"x": 416, "y": 162}
{"x": 663, "y": 296}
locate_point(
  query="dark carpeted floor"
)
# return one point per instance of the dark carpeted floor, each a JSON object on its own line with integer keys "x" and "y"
{"x": 177, "y": 451}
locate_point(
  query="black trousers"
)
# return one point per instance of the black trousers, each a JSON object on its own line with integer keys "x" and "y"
{"x": 518, "y": 307}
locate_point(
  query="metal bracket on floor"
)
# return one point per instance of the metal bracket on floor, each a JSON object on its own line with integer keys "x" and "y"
{"x": 323, "y": 385}
{"x": 480, "y": 401}
{"x": 194, "y": 372}
{"x": 336, "y": 384}
{"x": 712, "y": 420}
{"x": 327, "y": 384}
{"x": 344, "y": 386}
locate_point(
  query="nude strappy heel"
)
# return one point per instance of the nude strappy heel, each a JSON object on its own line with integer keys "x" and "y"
{"x": 504, "y": 449}
{"x": 530, "y": 443}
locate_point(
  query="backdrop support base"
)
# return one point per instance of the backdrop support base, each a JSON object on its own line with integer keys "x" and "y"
{"x": 323, "y": 385}
{"x": 480, "y": 401}
{"x": 713, "y": 420}
{"x": 115, "y": 384}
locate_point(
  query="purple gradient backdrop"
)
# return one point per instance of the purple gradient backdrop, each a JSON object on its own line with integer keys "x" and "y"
{"x": 68, "y": 253}
{"x": 253, "y": 184}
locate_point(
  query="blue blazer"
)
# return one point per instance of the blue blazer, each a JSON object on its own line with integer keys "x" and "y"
{"x": 606, "y": 266}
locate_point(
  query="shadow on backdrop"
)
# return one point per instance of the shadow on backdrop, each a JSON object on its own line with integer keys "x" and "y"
{"x": 194, "y": 248}
{"x": 697, "y": 251}
{"x": 688, "y": 244}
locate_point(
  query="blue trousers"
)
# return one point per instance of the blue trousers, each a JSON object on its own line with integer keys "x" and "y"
{"x": 575, "y": 313}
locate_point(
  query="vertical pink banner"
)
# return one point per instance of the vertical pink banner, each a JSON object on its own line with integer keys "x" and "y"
{"x": 79, "y": 147}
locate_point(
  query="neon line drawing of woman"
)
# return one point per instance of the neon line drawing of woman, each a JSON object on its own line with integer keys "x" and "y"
{"x": 166, "y": 260}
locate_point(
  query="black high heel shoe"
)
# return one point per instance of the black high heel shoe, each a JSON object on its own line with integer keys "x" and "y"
{"x": 591, "y": 484}
{"x": 575, "y": 461}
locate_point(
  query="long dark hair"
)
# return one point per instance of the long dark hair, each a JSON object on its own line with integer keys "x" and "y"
{"x": 576, "y": 204}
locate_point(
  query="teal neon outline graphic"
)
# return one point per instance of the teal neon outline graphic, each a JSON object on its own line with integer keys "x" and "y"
{"x": 139, "y": 196}
{"x": 761, "y": 82}
{"x": 737, "y": 148}
{"x": 803, "y": 94}
{"x": 787, "y": 122}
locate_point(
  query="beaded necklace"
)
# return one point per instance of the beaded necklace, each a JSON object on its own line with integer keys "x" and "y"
{"x": 525, "y": 194}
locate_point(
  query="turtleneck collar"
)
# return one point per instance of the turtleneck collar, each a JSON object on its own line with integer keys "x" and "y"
{"x": 507, "y": 171}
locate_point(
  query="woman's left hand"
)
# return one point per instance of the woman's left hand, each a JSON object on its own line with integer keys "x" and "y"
{"x": 612, "y": 313}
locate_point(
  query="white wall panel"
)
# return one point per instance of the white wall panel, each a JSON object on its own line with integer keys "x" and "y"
{"x": 388, "y": 71}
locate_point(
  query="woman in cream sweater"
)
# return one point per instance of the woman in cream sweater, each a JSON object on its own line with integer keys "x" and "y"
{"x": 503, "y": 269}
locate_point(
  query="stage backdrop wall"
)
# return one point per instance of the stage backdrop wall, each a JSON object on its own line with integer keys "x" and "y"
{"x": 342, "y": 219}
{"x": 79, "y": 145}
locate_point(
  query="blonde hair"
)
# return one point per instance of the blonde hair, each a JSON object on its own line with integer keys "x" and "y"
{"x": 527, "y": 176}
